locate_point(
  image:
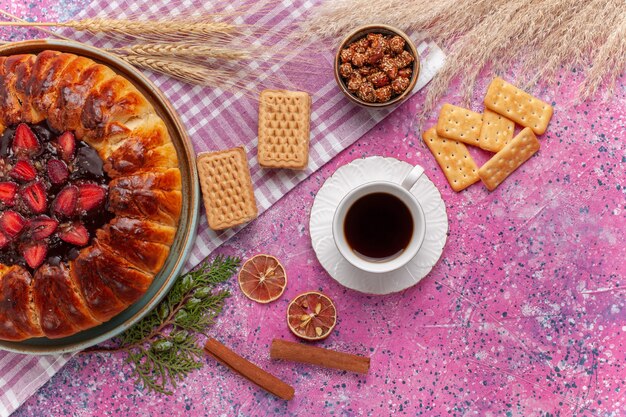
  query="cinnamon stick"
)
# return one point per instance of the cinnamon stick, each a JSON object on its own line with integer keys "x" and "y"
{"x": 298, "y": 352}
{"x": 248, "y": 370}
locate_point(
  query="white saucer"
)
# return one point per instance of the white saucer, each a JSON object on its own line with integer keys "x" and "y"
{"x": 336, "y": 187}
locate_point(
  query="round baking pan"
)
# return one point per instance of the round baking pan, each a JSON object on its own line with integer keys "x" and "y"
{"x": 186, "y": 234}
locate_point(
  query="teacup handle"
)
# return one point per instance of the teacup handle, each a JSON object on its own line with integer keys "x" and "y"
{"x": 411, "y": 178}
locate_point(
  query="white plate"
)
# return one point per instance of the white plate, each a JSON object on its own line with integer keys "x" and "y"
{"x": 336, "y": 187}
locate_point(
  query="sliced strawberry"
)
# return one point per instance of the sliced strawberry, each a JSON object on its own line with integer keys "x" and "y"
{"x": 74, "y": 233}
{"x": 23, "y": 171}
{"x": 65, "y": 203}
{"x": 25, "y": 142}
{"x": 41, "y": 227}
{"x": 35, "y": 196}
{"x": 57, "y": 171}
{"x": 34, "y": 253}
{"x": 90, "y": 196}
{"x": 3, "y": 240}
{"x": 7, "y": 192}
{"x": 67, "y": 146}
{"x": 12, "y": 223}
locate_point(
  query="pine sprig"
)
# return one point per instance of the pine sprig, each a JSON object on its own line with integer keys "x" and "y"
{"x": 163, "y": 348}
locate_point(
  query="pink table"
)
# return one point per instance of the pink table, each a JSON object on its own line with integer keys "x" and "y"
{"x": 523, "y": 315}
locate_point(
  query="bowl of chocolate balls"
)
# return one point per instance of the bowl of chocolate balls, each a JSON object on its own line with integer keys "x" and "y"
{"x": 377, "y": 66}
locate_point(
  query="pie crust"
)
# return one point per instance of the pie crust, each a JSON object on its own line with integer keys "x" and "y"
{"x": 105, "y": 110}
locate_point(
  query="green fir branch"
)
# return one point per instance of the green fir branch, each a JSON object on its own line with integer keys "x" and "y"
{"x": 163, "y": 348}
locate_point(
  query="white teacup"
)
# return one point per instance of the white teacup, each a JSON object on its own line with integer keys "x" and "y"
{"x": 398, "y": 190}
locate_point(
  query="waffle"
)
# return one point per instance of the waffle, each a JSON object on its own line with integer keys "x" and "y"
{"x": 227, "y": 188}
{"x": 284, "y": 128}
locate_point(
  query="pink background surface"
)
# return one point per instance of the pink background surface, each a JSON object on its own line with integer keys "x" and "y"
{"x": 523, "y": 315}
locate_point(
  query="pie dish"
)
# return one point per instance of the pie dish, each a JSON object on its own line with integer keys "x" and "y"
{"x": 97, "y": 194}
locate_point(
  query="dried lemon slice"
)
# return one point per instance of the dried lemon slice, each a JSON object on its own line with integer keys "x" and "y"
{"x": 262, "y": 278}
{"x": 311, "y": 316}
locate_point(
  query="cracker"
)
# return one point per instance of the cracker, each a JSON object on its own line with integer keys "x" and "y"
{"x": 453, "y": 158}
{"x": 284, "y": 129}
{"x": 459, "y": 124}
{"x": 226, "y": 188}
{"x": 495, "y": 132}
{"x": 509, "y": 158}
{"x": 518, "y": 105}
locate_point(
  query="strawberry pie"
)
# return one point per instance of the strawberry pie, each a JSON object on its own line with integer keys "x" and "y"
{"x": 90, "y": 195}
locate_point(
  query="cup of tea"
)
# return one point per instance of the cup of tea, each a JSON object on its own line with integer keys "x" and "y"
{"x": 380, "y": 226}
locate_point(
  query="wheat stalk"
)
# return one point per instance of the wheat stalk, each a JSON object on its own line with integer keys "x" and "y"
{"x": 182, "y": 50}
{"x": 151, "y": 57}
{"x": 150, "y": 28}
{"x": 181, "y": 71}
{"x": 142, "y": 29}
{"x": 188, "y": 72}
{"x": 238, "y": 60}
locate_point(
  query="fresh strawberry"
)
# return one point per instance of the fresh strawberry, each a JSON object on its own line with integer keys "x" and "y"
{"x": 65, "y": 203}
{"x": 12, "y": 223}
{"x": 7, "y": 192}
{"x": 25, "y": 142}
{"x": 35, "y": 196}
{"x": 90, "y": 196}
{"x": 57, "y": 171}
{"x": 3, "y": 240}
{"x": 41, "y": 227}
{"x": 67, "y": 146}
{"x": 34, "y": 253}
{"x": 23, "y": 171}
{"x": 74, "y": 233}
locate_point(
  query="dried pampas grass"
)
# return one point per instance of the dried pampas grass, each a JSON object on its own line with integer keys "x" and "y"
{"x": 540, "y": 37}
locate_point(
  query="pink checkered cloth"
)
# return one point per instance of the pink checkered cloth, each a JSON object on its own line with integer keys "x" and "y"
{"x": 216, "y": 119}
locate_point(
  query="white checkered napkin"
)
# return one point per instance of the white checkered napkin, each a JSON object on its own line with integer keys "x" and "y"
{"x": 216, "y": 120}
{"x": 22, "y": 375}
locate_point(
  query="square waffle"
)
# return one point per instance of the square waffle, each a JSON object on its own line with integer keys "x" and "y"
{"x": 227, "y": 188}
{"x": 284, "y": 129}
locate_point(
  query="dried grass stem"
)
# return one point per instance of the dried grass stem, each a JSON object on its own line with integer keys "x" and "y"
{"x": 196, "y": 48}
{"x": 149, "y": 28}
{"x": 182, "y": 50}
{"x": 182, "y": 71}
{"x": 187, "y": 72}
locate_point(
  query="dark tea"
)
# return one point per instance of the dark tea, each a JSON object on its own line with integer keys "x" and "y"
{"x": 378, "y": 226}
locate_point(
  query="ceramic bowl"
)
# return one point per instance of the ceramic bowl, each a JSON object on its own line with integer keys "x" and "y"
{"x": 385, "y": 30}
